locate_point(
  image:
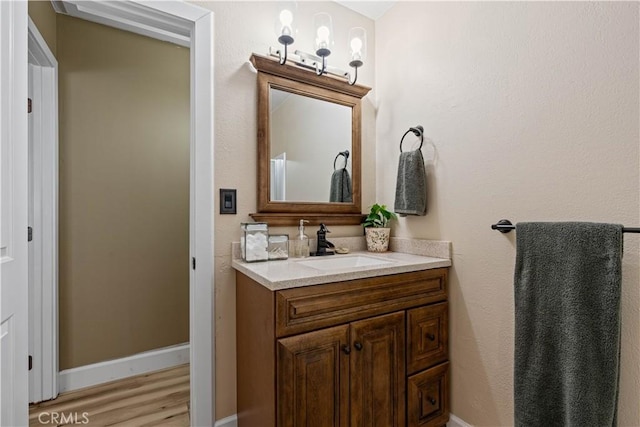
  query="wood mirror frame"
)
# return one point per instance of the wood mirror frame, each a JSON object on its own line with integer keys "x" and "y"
{"x": 304, "y": 81}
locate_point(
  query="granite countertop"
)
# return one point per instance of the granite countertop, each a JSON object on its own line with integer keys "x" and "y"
{"x": 297, "y": 272}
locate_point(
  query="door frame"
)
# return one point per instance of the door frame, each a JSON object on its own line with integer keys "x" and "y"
{"x": 43, "y": 249}
{"x": 188, "y": 25}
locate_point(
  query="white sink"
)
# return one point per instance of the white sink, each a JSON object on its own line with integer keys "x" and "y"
{"x": 341, "y": 262}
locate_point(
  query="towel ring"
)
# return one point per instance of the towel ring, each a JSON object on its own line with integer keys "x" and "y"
{"x": 344, "y": 153}
{"x": 417, "y": 131}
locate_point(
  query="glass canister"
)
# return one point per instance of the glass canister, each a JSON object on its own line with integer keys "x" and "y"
{"x": 254, "y": 241}
{"x": 278, "y": 246}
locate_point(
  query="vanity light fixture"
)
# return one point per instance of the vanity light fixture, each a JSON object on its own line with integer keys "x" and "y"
{"x": 323, "y": 43}
{"x": 324, "y": 39}
{"x": 284, "y": 28}
{"x": 357, "y": 50}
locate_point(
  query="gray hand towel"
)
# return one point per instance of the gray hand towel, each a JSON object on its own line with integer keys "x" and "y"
{"x": 340, "y": 186}
{"x": 567, "y": 324}
{"x": 411, "y": 185}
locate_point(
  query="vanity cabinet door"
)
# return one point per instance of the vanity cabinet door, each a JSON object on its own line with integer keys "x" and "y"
{"x": 313, "y": 379}
{"x": 378, "y": 371}
{"x": 427, "y": 337}
{"x": 428, "y": 391}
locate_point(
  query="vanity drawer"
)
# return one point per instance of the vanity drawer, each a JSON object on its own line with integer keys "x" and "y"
{"x": 313, "y": 307}
{"x": 428, "y": 397}
{"x": 427, "y": 336}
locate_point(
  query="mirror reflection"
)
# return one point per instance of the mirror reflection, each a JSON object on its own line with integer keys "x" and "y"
{"x": 310, "y": 146}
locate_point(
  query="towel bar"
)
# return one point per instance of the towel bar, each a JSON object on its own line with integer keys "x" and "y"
{"x": 505, "y": 226}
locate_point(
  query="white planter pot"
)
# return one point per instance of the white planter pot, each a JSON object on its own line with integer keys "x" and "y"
{"x": 377, "y": 239}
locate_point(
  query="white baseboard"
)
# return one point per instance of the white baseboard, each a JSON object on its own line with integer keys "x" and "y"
{"x": 141, "y": 363}
{"x": 457, "y": 422}
{"x": 231, "y": 421}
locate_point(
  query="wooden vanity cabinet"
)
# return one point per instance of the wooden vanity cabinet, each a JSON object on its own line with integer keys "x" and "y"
{"x": 346, "y": 375}
{"x": 366, "y": 352}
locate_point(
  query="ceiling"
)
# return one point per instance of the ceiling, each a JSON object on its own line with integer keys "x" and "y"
{"x": 103, "y": 12}
{"x": 370, "y": 9}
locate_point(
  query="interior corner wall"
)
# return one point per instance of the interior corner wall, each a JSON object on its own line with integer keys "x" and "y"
{"x": 531, "y": 113}
{"x": 124, "y": 193}
{"x": 243, "y": 28}
{"x": 42, "y": 14}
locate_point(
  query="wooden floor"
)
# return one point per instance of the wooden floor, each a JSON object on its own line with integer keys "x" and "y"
{"x": 156, "y": 399}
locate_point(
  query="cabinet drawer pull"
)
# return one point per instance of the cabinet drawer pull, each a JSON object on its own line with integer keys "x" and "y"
{"x": 357, "y": 345}
{"x": 431, "y": 400}
{"x": 431, "y": 337}
{"x": 346, "y": 349}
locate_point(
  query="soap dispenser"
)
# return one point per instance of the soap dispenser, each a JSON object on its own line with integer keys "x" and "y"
{"x": 301, "y": 243}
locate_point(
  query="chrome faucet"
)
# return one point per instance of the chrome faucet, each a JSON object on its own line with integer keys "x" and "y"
{"x": 322, "y": 243}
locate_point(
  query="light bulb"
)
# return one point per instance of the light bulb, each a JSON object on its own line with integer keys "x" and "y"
{"x": 323, "y": 26}
{"x": 356, "y": 45}
{"x": 323, "y": 34}
{"x": 286, "y": 17}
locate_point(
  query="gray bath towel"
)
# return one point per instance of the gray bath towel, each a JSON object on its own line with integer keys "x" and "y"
{"x": 340, "y": 186}
{"x": 567, "y": 330}
{"x": 411, "y": 185}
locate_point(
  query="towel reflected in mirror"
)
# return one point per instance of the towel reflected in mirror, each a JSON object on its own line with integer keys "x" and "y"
{"x": 340, "y": 186}
{"x": 340, "y": 191}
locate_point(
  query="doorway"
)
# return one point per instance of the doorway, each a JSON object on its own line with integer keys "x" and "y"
{"x": 194, "y": 26}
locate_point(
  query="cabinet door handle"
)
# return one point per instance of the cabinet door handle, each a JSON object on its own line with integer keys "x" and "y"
{"x": 431, "y": 337}
{"x": 357, "y": 345}
{"x": 346, "y": 349}
{"x": 431, "y": 400}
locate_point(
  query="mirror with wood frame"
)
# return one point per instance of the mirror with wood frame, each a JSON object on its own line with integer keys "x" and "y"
{"x": 309, "y": 138}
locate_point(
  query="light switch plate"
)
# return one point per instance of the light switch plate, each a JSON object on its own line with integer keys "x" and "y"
{"x": 227, "y": 201}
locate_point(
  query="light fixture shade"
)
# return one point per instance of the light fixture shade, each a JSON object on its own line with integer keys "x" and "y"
{"x": 323, "y": 34}
{"x": 285, "y": 24}
{"x": 357, "y": 46}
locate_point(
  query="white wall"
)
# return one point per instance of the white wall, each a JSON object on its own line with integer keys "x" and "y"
{"x": 533, "y": 111}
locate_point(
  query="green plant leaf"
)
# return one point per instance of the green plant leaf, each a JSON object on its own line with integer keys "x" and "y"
{"x": 379, "y": 216}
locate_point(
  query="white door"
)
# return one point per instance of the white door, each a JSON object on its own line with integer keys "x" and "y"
{"x": 13, "y": 214}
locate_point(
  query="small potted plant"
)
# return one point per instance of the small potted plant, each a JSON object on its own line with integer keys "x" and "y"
{"x": 376, "y": 228}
